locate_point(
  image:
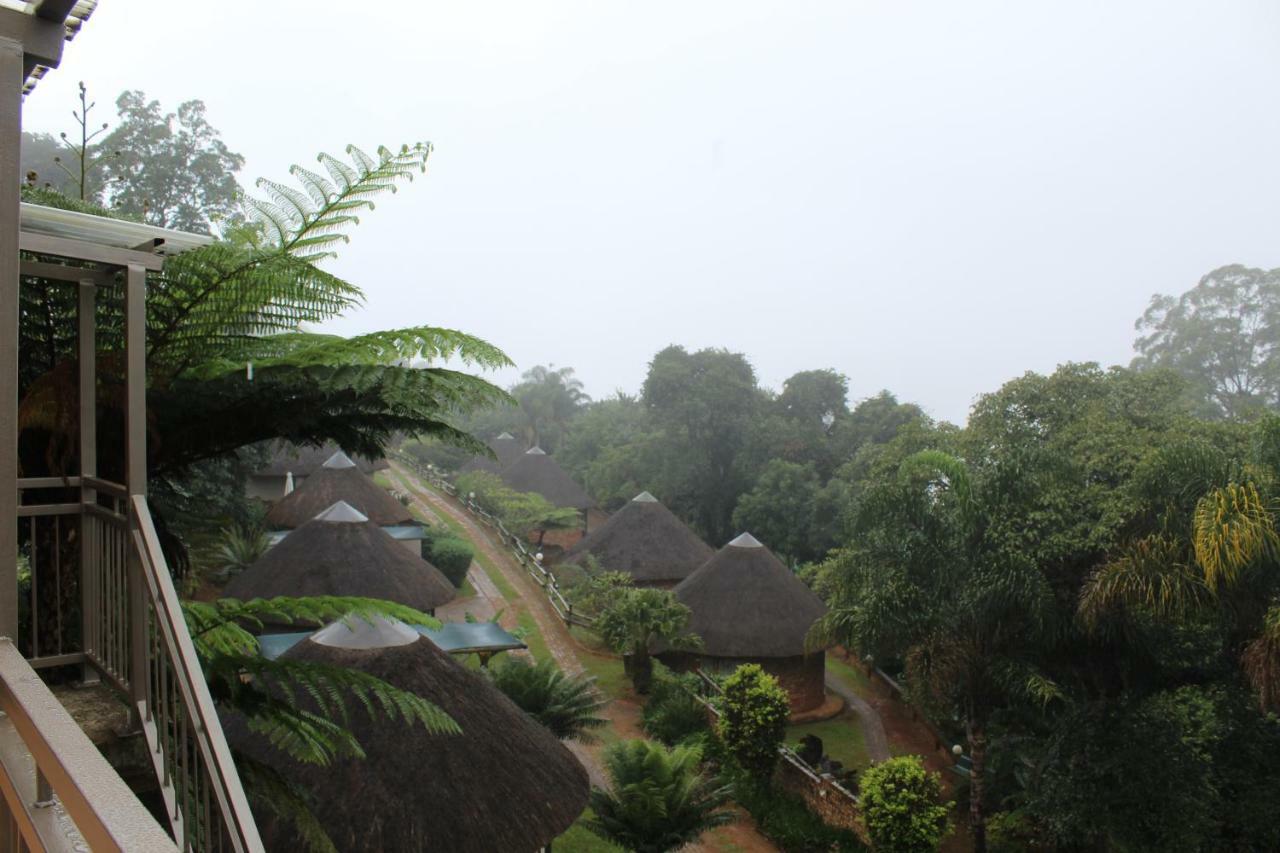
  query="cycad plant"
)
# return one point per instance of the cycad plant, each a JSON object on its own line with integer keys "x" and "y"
{"x": 659, "y": 800}
{"x": 569, "y": 706}
{"x": 264, "y": 692}
{"x": 240, "y": 547}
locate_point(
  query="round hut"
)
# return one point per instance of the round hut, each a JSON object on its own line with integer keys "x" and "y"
{"x": 342, "y": 552}
{"x": 535, "y": 471}
{"x": 506, "y": 450}
{"x": 338, "y": 479}
{"x": 505, "y": 783}
{"x": 297, "y": 462}
{"x": 645, "y": 540}
{"x": 749, "y": 608}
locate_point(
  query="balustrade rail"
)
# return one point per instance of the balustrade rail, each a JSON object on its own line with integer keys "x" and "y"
{"x": 100, "y": 595}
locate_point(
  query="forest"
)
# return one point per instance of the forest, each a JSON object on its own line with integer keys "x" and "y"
{"x": 1080, "y": 583}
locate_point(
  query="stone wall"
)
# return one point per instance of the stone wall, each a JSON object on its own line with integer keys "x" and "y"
{"x": 830, "y": 801}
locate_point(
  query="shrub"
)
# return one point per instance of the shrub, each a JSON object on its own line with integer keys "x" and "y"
{"x": 900, "y": 803}
{"x": 672, "y": 715}
{"x": 567, "y": 705}
{"x": 753, "y": 720}
{"x": 787, "y": 821}
{"x": 451, "y": 556}
{"x": 660, "y": 799}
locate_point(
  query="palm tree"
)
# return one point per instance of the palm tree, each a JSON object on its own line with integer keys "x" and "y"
{"x": 548, "y": 398}
{"x": 634, "y": 622}
{"x": 240, "y": 547}
{"x": 1211, "y": 548}
{"x": 931, "y": 581}
{"x": 659, "y": 799}
{"x": 567, "y": 705}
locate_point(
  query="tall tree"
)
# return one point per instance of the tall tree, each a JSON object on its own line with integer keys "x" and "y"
{"x": 549, "y": 397}
{"x": 703, "y": 402}
{"x": 1223, "y": 335}
{"x": 933, "y": 577}
{"x": 779, "y": 510}
{"x": 172, "y": 169}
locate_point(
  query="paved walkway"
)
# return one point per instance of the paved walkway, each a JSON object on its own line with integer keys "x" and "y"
{"x": 873, "y": 735}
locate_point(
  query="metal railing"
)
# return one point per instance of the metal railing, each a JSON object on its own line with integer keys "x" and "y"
{"x": 203, "y": 795}
{"x": 101, "y": 596}
{"x": 57, "y": 791}
{"x": 541, "y": 575}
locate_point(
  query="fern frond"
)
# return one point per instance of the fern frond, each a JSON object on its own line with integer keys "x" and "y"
{"x": 1151, "y": 573}
{"x": 265, "y": 785}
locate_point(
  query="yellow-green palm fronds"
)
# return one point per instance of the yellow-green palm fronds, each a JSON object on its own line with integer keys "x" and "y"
{"x": 1234, "y": 527}
{"x": 1151, "y": 573}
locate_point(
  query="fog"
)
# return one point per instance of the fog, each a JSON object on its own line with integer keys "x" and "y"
{"x": 929, "y": 197}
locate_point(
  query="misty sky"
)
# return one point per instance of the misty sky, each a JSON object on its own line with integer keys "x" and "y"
{"x": 928, "y": 197}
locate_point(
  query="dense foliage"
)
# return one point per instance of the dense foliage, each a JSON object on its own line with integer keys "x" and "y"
{"x": 569, "y": 706}
{"x": 659, "y": 799}
{"x": 635, "y": 622}
{"x": 901, "y": 805}
{"x": 753, "y": 720}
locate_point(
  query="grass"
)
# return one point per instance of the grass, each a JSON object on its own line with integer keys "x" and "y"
{"x": 579, "y": 839}
{"x": 851, "y": 675}
{"x": 610, "y": 679}
{"x": 841, "y": 739}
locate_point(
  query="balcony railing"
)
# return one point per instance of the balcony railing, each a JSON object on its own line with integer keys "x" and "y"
{"x": 100, "y": 596}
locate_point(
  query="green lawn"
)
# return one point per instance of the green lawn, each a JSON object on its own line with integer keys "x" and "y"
{"x": 850, "y": 675}
{"x": 841, "y": 739}
{"x": 607, "y": 671}
{"x": 579, "y": 839}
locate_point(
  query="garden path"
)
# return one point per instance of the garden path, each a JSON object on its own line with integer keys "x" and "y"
{"x": 873, "y": 735}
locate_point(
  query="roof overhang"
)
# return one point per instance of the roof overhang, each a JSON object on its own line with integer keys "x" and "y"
{"x": 42, "y": 27}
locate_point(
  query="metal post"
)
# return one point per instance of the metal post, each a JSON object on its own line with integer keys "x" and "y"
{"x": 135, "y": 343}
{"x": 11, "y": 70}
{"x": 90, "y": 554}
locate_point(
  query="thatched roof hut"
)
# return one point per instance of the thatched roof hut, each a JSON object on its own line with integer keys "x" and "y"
{"x": 748, "y": 607}
{"x": 303, "y": 461}
{"x": 645, "y": 540}
{"x": 505, "y": 783}
{"x": 535, "y": 471}
{"x": 338, "y": 479}
{"x": 342, "y": 552}
{"x": 506, "y": 450}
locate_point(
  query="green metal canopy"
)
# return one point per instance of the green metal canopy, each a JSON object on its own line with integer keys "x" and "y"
{"x": 457, "y": 638}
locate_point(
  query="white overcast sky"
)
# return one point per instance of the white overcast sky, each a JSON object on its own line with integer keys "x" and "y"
{"x": 929, "y": 197}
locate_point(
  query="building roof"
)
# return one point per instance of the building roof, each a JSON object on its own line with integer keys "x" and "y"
{"x": 304, "y": 460}
{"x": 506, "y": 450}
{"x": 747, "y": 604}
{"x": 456, "y": 638}
{"x": 535, "y": 471}
{"x": 645, "y": 540}
{"x": 337, "y": 479}
{"x": 342, "y": 552}
{"x": 69, "y": 16}
{"x": 504, "y": 783}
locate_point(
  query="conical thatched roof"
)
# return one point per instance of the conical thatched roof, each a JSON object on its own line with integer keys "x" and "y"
{"x": 303, "y": 461}
{"x": 506, "y": 447}
{"x": 338, "y": 479}
{"x": 645, "y": 540}
{"x": 504, "y": 784}
{"x": 535, "y": 471}
{"x": 747, "y": 604}
{"x": 342, "y": 552}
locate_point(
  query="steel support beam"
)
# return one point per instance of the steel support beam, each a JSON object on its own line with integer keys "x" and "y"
{"x": 135, "y": 355}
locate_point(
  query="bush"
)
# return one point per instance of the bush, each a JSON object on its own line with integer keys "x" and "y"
{"x": 900, "y": 803}
{"x": 787, "y": 821}
{"x": 568, "y": 705}
{"x": 753, "y": 720}
{"x": 672, "y": 715}
{"x": 452, "y": 557}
